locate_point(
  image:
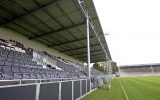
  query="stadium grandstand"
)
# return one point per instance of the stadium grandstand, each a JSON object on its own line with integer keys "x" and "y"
{"x": 46, "y": 47}
{"x": 140, "y": 70}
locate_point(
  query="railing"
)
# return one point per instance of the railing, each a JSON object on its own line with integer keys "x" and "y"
{"x": 53, "y": 89}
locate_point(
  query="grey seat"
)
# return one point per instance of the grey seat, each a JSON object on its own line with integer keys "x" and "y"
{"x": 34, "y": 70}
{"x": 29, "y": 69}
{"x": 39, "y": 76}
{"x": 1, "y": 49}
{"x": 4, "y": 53}
{"x": 52, "y": 76}
{"x": 15, "y": 69}
{"x": 2, "y": 62}
{"x": 3, "y": 58}
{"x": 33, "y": 76}
{"x": 15, "y": 64}
{"x": 26, "y": 76}
{"x": 18, "y": 75}
{"x": 44, "y": 76}
{"x": 1, "y": 76}
{"x": 7, "y": 69}
{"x": 8, "y": 63}
{"x": 23, "y": 69}
{"x": 7, "y": 75}
{"x": 48, "y": 75}
{"x": 43, "y": 71}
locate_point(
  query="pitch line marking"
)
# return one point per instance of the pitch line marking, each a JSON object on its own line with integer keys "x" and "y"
{"x": 124, "y": 90}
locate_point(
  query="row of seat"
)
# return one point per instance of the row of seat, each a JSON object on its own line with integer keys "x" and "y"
{"x": 18, "y": 65}
{"x": 8, "y": 72}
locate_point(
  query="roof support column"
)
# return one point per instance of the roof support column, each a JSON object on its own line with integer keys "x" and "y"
{"x": 85, "y": 11}
{"x": 88, "y": 48}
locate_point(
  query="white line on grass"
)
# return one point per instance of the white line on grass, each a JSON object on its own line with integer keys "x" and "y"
{"x": 123, "y": 90}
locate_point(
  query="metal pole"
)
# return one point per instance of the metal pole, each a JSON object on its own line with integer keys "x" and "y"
{"x": 37, "y": 91}
{"x": 59, "y": 96}
{"x": 88, "y": 48}
{"x": 73, "y": 90}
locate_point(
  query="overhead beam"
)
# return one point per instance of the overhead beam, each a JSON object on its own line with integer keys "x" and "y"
{"x": 78, "y": 48}
{"x": 92, "y": 55}
{"x": 29, "y": 12}
{"x": 98, "y": 60}
{"x": 59, "y": 30}
{"x": 63, "y": 43}
{"x": 93, "y": 59}
{"x": 83, "y": 53}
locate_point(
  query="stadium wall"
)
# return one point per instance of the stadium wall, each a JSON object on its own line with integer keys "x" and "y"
{"x": 8, "y": 34}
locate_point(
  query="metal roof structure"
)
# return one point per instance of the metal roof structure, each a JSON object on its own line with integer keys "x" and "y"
{"x": 59, "y": 24}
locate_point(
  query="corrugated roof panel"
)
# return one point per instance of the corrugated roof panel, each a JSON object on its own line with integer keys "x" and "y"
{"x": 56, "y": 12}
{"x": 78, "y": 43}
{"x": 76, "y": 17}
{"x": 64, "y": 47}
{"x": 42, "y": 2}
{"x": 65, "y": 21}
{"x": 1, "y": 20}
{"x": 32, "y": 29}
{"x": 5, "y": 14}
{"x": 92, "y": 13}
{"x": 67, "y": 35}
{"x": 18, "y": 29}
{"x": 22, "y": 23}
{"x": 88, "y": 3}
{"x": 53, "y": 24}
{"x": 98, "y": 29}
{"x": 27, "y": 4}
{"x": 93, "y": 41}
{"x": 58, "y": 37}
{"x": 76, "y": 33}
{"x": 13, "y": 7}
{"x": 68, "y": 6}
{"x": 42, "y": 15}
{"x": 31, "y": 19}
{"x": 43, "y": 41}
{"x": 43, "y": 27}
{"x": 83, "y": 29}
{"x": 51, "y": 39}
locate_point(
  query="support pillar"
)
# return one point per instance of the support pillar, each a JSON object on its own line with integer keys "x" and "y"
{"x": 88, "y": 49}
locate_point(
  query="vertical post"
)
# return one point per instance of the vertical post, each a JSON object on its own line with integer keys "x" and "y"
{"x": 88, "y": 48}
{"x": 72, "y": 89}
{"x": 80, "y": 87}
{"x": 59, "y": 90}
{"x": 37, "y": 91}
{"x": 86, "y": 86}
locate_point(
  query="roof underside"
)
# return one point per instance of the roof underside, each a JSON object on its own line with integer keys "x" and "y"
{"x": 59, "y": 24}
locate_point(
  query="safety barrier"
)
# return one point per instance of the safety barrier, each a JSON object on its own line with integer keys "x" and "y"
{"x": 53, "y": 90}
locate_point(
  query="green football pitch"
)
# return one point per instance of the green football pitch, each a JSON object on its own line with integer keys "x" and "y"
{"x": 129, "y": 88}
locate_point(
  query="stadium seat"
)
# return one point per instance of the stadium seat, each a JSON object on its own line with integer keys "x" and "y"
{"x": 18, "y": 75}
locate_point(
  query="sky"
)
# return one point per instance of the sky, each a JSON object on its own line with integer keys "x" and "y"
{"x": 134, "y": 29}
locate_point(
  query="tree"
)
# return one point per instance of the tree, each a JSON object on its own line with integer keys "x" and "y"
{"x": 98, "y": 67}
{"x": 114, "y": 67}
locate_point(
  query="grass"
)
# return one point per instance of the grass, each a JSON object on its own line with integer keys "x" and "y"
{"x": 137, "y": 88}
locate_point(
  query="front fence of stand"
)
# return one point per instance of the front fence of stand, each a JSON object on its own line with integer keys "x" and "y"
{"x": 53, "y": 90}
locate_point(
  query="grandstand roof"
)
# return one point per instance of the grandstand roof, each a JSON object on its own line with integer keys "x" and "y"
{"x": 59, "y": 24}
